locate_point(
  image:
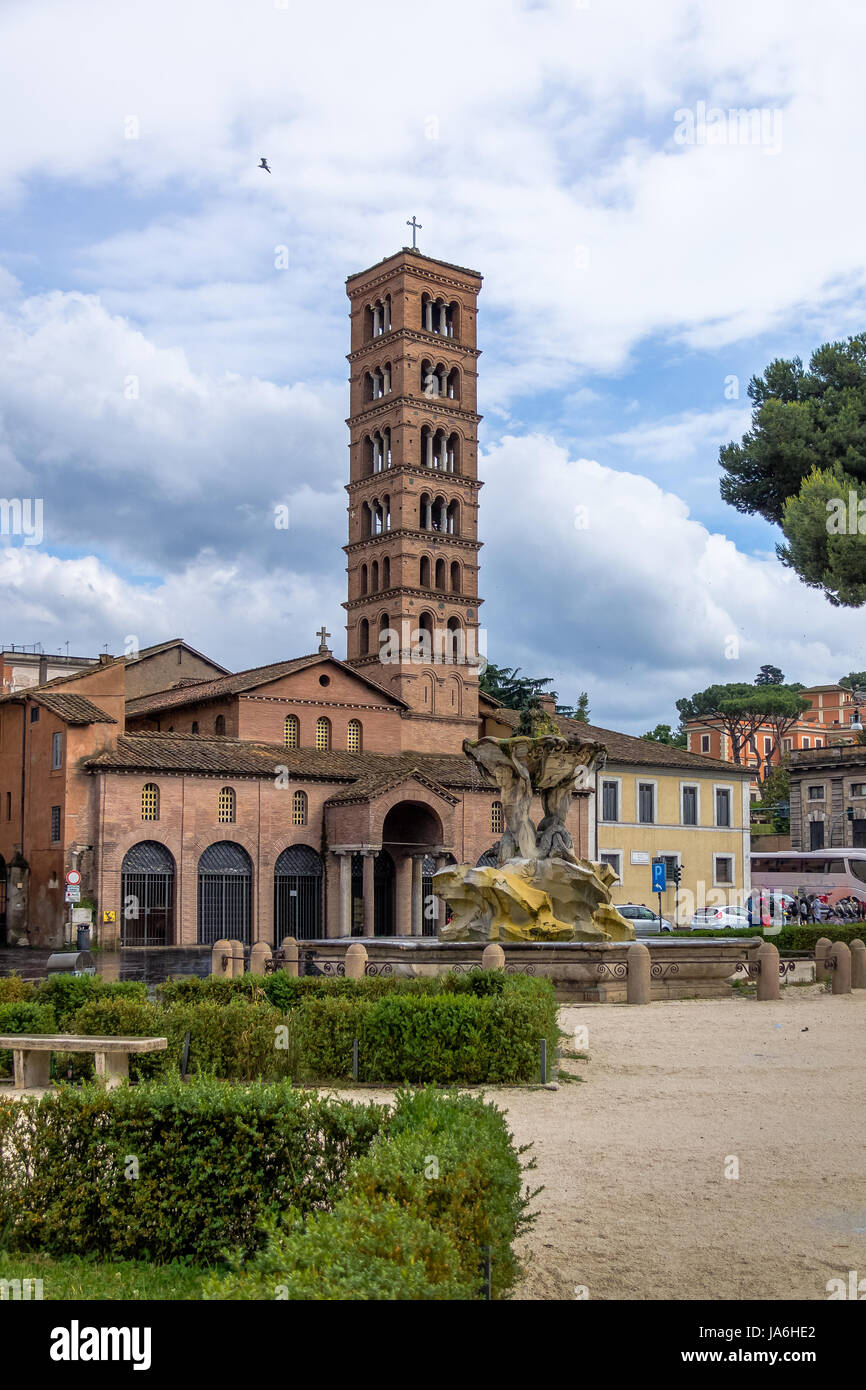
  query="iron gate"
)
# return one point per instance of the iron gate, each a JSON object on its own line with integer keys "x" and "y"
{"x": 147, "y": 890}
{"x": 298, "y": 894}
{"x": 224, "y": 894}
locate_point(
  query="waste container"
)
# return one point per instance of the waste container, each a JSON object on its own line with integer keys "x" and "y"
{"x": 84, "y": 938}
{"x": 72, "y": 962}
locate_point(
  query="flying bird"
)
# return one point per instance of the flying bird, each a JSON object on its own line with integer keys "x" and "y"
{"x": 264, "y": 164}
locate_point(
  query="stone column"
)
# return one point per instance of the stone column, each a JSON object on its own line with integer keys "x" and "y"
{"x": 822, "y": 948}
{"x": 638, "y": 989}
{"x": 442, "y": 862}
{"x": 219, "y": 950}
{"x": 289, "y": 949}
{"x": 429, "y": 449}
{"x": 858, "y": 964}
{"x": 345, "y": 893}
{"x": 259, "y": 957}
{"x": 403, "y": 897}
{"x": 386, "y": 381}
{"x": 443, "y": 453}
{"x": 492, "y": 957}
{"x": 443, "y": 320}
{"x": 356, "y": 961}
{"x": 428, "y": 316}
{"x": 369, "y": 893}
{"x": 417, "y": 895}
{"x": 768, "y": 967}
{"x": 842, "y": 972}
{"x": 443, "y": 517}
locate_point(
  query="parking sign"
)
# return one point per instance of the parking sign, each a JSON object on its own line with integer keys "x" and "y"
{"x": 660, "y": 876}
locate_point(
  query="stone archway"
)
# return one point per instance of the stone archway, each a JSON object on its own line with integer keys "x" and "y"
{"x": 412, "y": 834}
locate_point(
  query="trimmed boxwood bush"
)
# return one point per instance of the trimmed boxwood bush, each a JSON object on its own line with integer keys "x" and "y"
{"x": 442, "y": 1037}
{"x": 213, "y": 1162}
{"x": 12, "y": 988}
{"x": 67, "y": 993}
{"x": 441, "y": 1186}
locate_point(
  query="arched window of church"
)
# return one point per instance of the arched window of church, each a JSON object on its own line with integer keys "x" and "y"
{"x": 386, "y": 573}
{"x": 440, "y": 574}
{"x": 220, "y": 725}
{"x": 299, "y": 807}
{"x": 364, "y": 637}
{"x": 353, "y": 736}
{"x": 424, "y": 573}
{"x": 455, "y": 577}
{"x": 226, "y": 806}
{"x": 323, "y": 734}
{"x": 374, "y": 570}
{"x": 150, "y": 801}
{"x": 497, "y": 824}
{"x": 291, "y": 731}
{"x": 363, "y": 579}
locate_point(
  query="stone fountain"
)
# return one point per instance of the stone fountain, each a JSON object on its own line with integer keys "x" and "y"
{"x": 539, "y": 890}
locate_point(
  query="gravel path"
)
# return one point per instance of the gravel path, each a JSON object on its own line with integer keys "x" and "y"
{"x": 636, "y": 1204}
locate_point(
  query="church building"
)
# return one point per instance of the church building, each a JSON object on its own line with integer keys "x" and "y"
{"x": 312, "y": 796}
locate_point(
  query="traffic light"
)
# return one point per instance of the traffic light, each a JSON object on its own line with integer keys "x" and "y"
{"x": 676, "y": 874}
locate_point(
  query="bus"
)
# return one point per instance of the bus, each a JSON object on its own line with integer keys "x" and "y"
{"x": 834, "y": 873}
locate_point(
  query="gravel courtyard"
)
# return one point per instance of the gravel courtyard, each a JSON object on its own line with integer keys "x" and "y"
{"x": 636, "y": 1204}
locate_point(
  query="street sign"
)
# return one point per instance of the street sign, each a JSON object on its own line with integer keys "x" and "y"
{"x": 73, "y": 877}
{"x": 73, "y": 894}
{"x": 660, "y": 876}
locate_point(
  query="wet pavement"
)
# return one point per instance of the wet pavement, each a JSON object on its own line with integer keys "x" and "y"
{"x": 147, "y": 963}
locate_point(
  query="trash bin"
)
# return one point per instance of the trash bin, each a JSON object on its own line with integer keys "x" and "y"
{"x": 84, "y": 938}
{"x": 73, "y": 962}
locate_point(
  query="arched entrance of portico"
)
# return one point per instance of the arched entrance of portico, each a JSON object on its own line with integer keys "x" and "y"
{"x": 412, "y": 834}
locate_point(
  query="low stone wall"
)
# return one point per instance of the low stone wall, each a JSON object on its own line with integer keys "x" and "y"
{"x": 582, "y": 971}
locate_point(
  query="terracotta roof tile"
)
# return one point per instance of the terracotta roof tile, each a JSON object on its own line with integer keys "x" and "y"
{"x": 73, "y": 709}
{"x": 237, "y": 683}
{"x": 625, "y": 748}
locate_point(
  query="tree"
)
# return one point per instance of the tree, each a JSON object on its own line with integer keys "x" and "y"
{"x": 855, "y": 680}
{"x": 742, "y": 710}
{"x": 801, "y": 421}
{"x": 776, "y": 798}
{"x": 662, "y": 733}
{"x": 769, "y": 675}
{"x": 513, "y": 690}
{"x": 580, "y": 711}
{"x": 824, "y": 543}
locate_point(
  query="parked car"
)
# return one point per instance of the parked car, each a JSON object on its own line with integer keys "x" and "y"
{"x": 720, "y": 918}
{"x": 646, "y": 922}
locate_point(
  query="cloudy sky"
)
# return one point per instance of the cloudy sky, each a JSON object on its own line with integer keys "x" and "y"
{"x": 173, "y": 321}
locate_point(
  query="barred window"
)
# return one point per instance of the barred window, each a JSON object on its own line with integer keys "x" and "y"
{"x": 55, "y": 825}
{"x": 323, "y": 734}
{"x": 299, "y": 808}
{"x": 56, "y": 751}
{"x": 496, "y": 820}
{"x": 226, "y": 806}
{"x": 353, "y": 736}
{"x": 610, "y": 800}
{"x": 150, "y": 801}
{"x": 291, "y": 731}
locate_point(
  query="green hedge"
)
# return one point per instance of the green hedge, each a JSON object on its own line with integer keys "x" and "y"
{"x": 23, "y": 1016}
{"x": 67, "y": 993}
{"x": 805, "y": 938}
{"x": 12, "y": 988}
{"x": 440, "y": 1187}
{"x": 214, "y": 1162}
{"x": 442, "y": 1038}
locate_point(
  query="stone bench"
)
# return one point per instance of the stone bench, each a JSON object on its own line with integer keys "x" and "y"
{"x": 31, "y": 1054}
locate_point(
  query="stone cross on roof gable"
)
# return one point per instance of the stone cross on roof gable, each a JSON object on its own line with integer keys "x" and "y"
{"x": 323, "y": 635}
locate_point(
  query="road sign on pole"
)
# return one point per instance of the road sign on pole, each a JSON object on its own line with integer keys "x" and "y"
{"x": 73, "y": 893}
{"x": 73, "y": 877}
{"x": 660, "y": 876}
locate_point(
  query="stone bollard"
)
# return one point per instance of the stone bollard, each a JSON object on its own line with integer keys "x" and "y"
{"x": 822, "y": 949}
{"x": 858, "y": 964}
{"x": 237, "y": 950}
{"x": 842, "y": 971}
{"x": 492, "y": 957}
{"x": 768, "y": 971}
{"x": 260, "y": 957}
{"x": 356, "y": 960}
{"x": 221, "y": 958}
{"x": 638, "y": 989}
{"x": 289, "y": 949}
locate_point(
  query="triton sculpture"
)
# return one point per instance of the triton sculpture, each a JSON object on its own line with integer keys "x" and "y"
{"x": 539, "y": 890}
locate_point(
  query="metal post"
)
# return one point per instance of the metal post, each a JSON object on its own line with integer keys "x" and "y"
{"x": 544, "y": 1061}
{"x": 355, "y": 1060}
{"x": 660, "y": 912}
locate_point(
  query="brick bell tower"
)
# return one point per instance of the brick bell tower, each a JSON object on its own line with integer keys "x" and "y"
{"x": 413, "y": 546}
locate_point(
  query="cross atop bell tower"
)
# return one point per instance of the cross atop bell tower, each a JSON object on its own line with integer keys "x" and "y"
{"x": 413, "y": 546}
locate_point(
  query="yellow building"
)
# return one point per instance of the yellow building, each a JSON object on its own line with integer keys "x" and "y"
{"x": 652, "y": 801}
